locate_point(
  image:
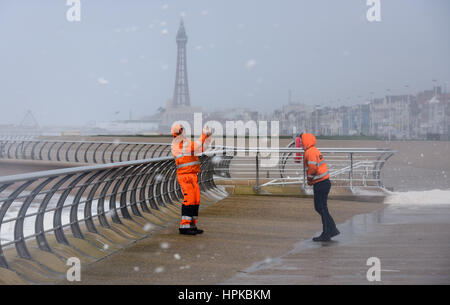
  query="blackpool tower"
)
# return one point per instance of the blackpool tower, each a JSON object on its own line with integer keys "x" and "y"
{"x": 181, "y": 91}
{"x": 179, "y": 107}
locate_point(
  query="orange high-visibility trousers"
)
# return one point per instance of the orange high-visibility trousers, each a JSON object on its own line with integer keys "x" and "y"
{"x": 191, "y": 200}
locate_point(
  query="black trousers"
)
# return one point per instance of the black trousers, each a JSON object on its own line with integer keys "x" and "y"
{"x": 190, "y": 210}
{"x": 321, "y": 190}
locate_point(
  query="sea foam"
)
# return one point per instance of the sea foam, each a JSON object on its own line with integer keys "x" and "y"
{"x": 419, "y": 197}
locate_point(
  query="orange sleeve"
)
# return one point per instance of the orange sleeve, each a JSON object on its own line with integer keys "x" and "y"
{"x": 195, "y": 146}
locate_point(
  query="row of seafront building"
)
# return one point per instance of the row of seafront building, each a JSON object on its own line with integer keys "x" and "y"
{"x": 425, "y": 115}
{"x": 422, "y": 116}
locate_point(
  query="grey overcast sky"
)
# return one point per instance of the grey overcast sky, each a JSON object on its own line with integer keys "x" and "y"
{"x": 244, "y": 53}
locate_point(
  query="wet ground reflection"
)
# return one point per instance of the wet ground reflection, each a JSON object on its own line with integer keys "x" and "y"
{"x": 413, "y": 242}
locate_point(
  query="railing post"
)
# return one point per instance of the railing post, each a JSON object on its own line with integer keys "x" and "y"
{"x": 257, "y": 173}
{"x": 304, "y": 171}
{"x": 351, "y": 171}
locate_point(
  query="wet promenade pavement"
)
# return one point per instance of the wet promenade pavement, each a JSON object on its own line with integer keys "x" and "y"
{"x": 412, "y": 243}
{"x": 266, "y": 240}
{"x": 239, "y": 231}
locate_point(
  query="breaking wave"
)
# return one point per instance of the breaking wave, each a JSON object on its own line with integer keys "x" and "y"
{"x": 419, "y": 197}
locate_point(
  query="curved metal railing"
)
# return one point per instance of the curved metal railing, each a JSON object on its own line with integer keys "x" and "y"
{"x": 81, "y": 151}
{"x": 79, "y": 200}
{"x": 91, "y": 152}
{"x": 356, "y": 165}
{"x": 348, "y": 167}
{"x": 57, "y": 207}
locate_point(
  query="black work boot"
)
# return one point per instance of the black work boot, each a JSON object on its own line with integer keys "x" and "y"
{"x": 199, "y": 231}
{"x": 188, "y": 231}
{"x": 322, "y": 237}
{"x": 334, "y": 233}
{"x": 327, "y": 236}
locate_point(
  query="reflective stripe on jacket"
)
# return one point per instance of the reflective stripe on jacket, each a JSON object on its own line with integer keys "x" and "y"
{"x": 315, "y": 164}
{"x": 184, "y": 152}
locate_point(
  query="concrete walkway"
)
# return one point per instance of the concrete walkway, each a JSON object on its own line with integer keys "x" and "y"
{"x": 239, "y": 231}
{"x": 412, "y": 244}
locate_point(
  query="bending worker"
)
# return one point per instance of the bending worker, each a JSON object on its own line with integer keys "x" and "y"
{"x": 318, "y": 176}
{"x": 188, "y": 166}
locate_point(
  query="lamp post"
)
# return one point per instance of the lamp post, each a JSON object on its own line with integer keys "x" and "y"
{"x": 408, "y": 101}
{"x": 390, "y": 114}
{"x": 372, "y": 132}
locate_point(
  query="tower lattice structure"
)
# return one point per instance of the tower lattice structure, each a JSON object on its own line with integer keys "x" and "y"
{"x": 181, "y": 92}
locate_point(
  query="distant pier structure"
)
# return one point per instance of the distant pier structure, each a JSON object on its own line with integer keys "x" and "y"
{"x": 179, "y": 107}
{"x": 27, "y": 129}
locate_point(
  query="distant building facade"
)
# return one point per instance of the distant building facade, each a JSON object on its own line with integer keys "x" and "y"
{"x": 423, "y": 116}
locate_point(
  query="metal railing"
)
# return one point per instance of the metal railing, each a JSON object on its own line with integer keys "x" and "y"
{"x": 348, "y": 167}
{"x": 79, "y": 200}
{"x": 81, "y": 151}
{"x": 64, "y": 201}
{"x": 91, "y": 152}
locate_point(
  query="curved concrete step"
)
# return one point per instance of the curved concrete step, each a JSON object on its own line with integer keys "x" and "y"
{"x": 50, "y": 267}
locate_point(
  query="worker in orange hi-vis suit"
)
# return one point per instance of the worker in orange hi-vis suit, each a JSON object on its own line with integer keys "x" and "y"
{"x": 188, "y": 166}
{"x": 318, "y": 176}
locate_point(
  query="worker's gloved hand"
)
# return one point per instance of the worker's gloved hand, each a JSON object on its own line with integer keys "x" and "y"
{"x": 310, "y": 181}
{"x": 207, "y": 131}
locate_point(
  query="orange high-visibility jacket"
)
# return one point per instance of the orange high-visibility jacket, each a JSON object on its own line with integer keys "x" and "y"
{"x": 184, "y": 150}
{"x": 316, "y": 168}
